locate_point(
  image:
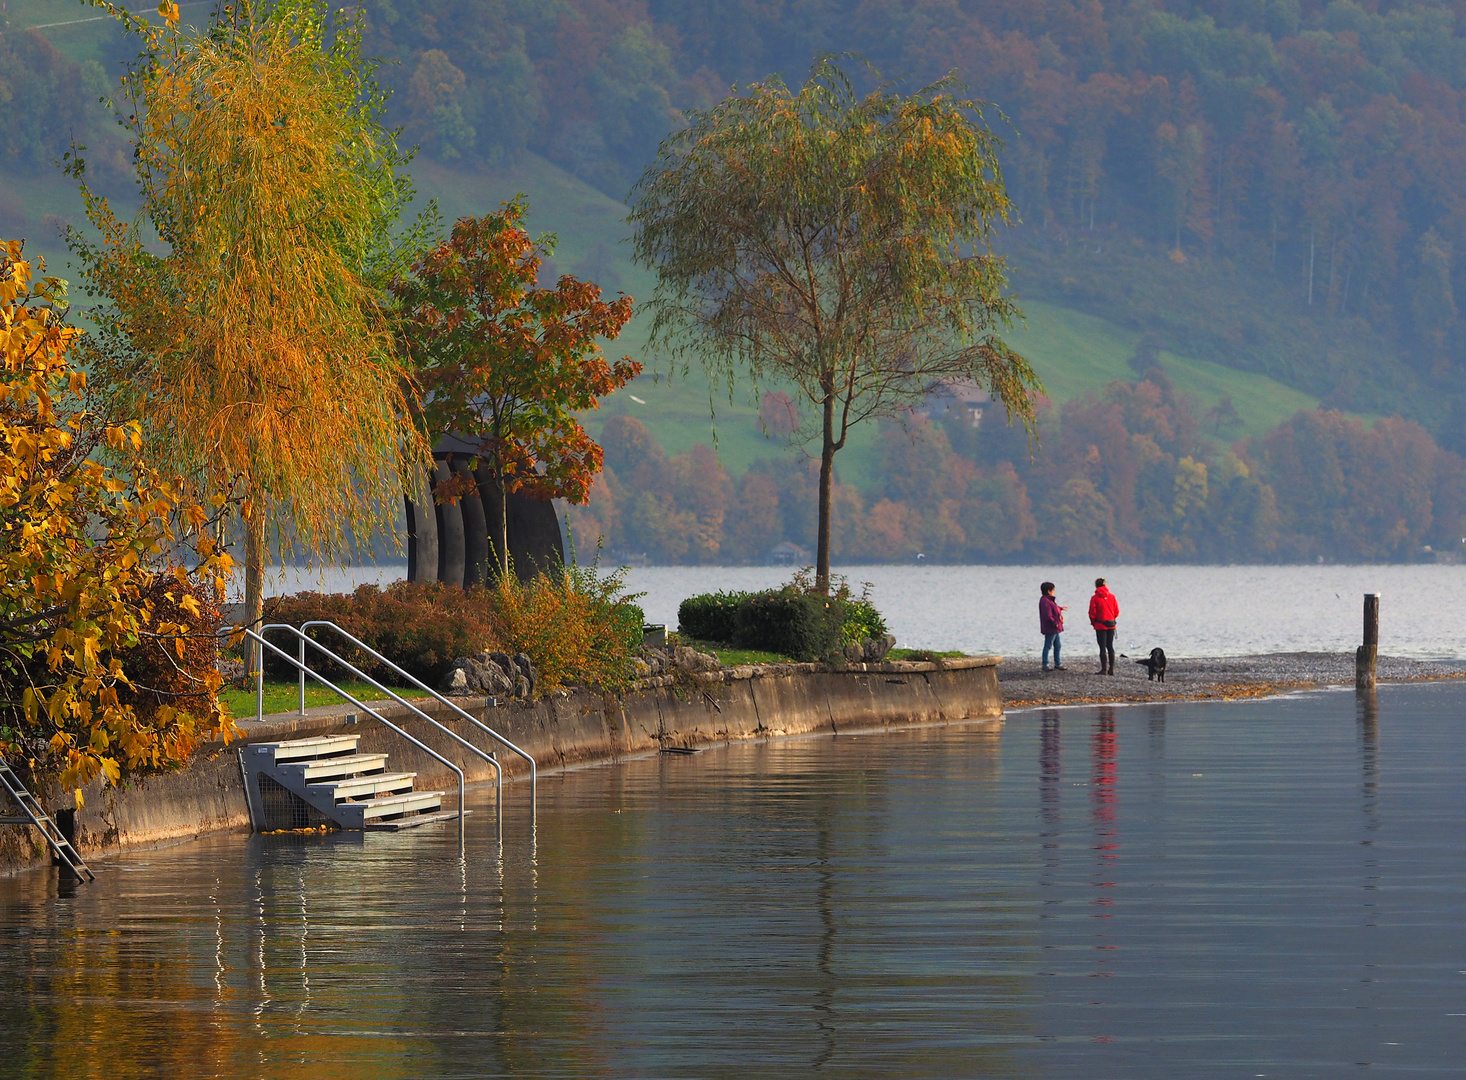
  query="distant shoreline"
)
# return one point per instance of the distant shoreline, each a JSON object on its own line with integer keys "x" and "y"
{"x": 1227, "y": 678}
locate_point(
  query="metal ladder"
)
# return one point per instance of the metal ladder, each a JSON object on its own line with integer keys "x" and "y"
{"x": 36, "y": 815}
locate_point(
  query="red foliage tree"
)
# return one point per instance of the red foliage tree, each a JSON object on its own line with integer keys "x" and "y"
{"x": 508, "y": 364}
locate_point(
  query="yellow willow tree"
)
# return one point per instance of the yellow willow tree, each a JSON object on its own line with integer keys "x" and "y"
{"x": 241, "y": 322}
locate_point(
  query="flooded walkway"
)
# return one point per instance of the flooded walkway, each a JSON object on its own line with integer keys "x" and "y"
{"x": 1210, "y": 890}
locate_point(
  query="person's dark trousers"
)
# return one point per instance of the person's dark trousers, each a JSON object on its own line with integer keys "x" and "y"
{"x": 1106, "y": 639}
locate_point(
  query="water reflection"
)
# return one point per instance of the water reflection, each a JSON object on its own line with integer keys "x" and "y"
{"x": 895, "y": 905}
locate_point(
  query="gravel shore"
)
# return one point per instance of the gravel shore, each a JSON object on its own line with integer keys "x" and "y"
{"x": 1023, "y": 682}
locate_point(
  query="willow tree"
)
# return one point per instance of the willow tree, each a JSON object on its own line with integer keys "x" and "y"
{"x": 838, "y": 242}
{"x": 242, "y": 322}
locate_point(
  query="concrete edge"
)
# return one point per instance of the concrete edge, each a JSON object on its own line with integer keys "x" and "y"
{"x": 574, "y": 728}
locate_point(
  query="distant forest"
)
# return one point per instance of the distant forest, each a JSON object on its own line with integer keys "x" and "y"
{"x": 1130, "y": 474}
{"x": 1276, "y": 185}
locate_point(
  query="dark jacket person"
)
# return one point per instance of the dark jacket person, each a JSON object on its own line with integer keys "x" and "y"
{"x": 1050, "y": 624}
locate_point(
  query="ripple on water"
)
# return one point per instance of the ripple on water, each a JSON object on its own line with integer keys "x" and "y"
{"x": 1182, "y": 890}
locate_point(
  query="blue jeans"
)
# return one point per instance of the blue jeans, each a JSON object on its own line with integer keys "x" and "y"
{"x": 1051, "y": 640}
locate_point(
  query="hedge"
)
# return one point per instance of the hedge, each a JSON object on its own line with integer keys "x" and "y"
{"x": 801, "y": 625}
{"x": 710, "y": 616}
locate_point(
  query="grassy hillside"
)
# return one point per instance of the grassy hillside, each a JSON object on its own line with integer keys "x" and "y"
{"x": 1077, "y": 353}
{"x": 1074, "y": 353}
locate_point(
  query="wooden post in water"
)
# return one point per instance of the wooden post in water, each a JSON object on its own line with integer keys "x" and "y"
{"x": 1368, "y": 655}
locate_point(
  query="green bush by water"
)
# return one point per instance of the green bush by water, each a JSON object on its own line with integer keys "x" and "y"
{"x": 710, "y": 616}
{"x": 804, "y": 625}
{"x": 793, "y": 621}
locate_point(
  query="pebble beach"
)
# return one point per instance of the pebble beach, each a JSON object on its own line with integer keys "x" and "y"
{"x": 1025, "y": 683}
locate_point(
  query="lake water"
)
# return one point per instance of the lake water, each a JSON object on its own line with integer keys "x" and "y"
{"x": 1187, "y": 610}
{"x": 1265, "y": 888}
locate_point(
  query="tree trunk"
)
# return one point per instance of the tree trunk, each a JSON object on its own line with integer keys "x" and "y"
{"x": 827, "y": 472}
{"x": 1310, "y": 269}
{"x": 254, "y": 579}
{"x": 501, "y": 528}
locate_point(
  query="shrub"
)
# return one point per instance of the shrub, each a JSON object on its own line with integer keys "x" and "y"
{"x": 710, "y": 616}
{"x": 804, "y": 625}
{"x": 862, "y": 621}
{"x": 423, "y": 626}
{"x": 577, "y": 628}
{"x": 174, "y": 667}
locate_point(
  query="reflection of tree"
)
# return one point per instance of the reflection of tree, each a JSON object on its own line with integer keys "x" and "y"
{"x": 828, "y": 894}
{"x": 825, "y": 984}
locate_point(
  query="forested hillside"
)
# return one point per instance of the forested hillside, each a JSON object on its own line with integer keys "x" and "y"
{"x": 1245, "y": 193}
{"x": 1132, "y": 473}
{"x": 1273, "y": 183}
{"x": 1269, "y": 183}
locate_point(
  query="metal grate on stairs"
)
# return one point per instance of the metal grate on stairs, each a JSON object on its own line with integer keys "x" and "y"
{"x": 35, "y": 814}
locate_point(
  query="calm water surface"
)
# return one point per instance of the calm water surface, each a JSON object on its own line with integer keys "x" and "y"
{"x": 1270, "y": 888}
{"x": 1188, "y": 610}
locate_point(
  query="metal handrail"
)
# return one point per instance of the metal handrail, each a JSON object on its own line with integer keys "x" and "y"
{"x": 533, "y": 780}
{"x": 260, "y": 709}
{"x": 300, "y": 634}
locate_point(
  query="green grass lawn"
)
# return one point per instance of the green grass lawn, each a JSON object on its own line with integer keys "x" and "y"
{"x": 282, "y": 696}
{"x": 727, "y": 655}
{"x": 1075, "y": 354}
{"x": 923, "y": 654}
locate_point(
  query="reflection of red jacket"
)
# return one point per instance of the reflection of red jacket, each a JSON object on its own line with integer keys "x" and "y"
{"x": 1104, "y": 609}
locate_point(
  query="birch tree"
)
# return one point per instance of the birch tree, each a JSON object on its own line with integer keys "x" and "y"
{"x": 837, "y": 242}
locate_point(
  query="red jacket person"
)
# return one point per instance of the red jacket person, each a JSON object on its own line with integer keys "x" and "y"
{"x": 1104, "y": 612}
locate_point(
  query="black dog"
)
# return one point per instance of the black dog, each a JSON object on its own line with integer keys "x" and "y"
{"x": 1156, "y": 664}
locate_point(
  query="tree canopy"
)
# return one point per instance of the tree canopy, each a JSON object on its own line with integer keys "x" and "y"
{"x": 249, "y": 340}
{"x": 838, "y": 242}
{"x": 507, "y": 363}
{"x": 92, "y": 567}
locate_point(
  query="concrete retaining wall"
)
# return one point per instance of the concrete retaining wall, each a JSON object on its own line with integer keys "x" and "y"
{"x": 735, "y": 704}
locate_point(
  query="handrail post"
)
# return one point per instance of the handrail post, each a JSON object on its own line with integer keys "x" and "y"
{"x": 304, "y": 638}
{"x": 259, "y": 687}
{"x": 301, "y": 673}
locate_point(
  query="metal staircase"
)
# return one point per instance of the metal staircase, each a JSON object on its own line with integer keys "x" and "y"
{"x": 315, "y": 772}
{"x": 308, "y": 783}
{"x": 35, "y": 814}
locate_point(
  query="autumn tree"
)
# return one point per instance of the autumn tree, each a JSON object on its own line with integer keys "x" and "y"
{"x": 836, "y": 242}
{"x": 85, "y": 575}
{"x": 508, "y": 364}
{"x": 247, "y": 339}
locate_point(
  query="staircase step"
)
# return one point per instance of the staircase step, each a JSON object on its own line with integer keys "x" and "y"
{"x": 364, "y": 786}
{"x": 354, "y": 815}
{"x": 320, "y": 746}
{"x": 337, "y": 768}
{"x": 413, "y": 821}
